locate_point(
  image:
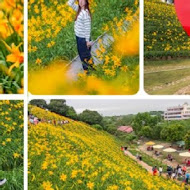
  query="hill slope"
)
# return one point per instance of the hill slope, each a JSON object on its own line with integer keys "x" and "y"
{"x": 163, "y": 35}
{"x": 11, "y": 144}
{"x": 76, "y": 156}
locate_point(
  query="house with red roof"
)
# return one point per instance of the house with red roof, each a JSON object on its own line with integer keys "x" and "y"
{"x": 125, "y": 129}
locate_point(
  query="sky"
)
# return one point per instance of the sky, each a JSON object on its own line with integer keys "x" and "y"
{"x": 111, "y": 107}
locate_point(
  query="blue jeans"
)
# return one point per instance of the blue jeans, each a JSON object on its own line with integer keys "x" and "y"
{"x": 83, "y": 51}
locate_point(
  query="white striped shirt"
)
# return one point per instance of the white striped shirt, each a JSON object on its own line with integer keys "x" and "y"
{"x": 83, "y": 22}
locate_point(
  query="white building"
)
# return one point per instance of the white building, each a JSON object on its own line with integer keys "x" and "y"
{"x": 178, "y": 112}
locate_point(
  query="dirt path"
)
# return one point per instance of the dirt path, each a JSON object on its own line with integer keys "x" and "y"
{"x": 165, "y": 161}
{"x": 184, "y": 91}
{"x": 149, "y": 168}
{"x": 165, "y": 69}
{"x": 143, "y": 164}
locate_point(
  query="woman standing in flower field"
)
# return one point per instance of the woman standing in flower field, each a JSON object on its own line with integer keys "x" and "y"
{"x": 116, "y": 65}
{"x": 83, "y": 30}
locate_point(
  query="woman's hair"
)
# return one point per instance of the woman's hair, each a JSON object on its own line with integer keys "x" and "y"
{"x": 86, "y": 6}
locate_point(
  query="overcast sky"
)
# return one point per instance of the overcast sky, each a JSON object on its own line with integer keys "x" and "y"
{"x": 122, "y": 107}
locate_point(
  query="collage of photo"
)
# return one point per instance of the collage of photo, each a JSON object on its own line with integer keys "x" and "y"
{"x": 94, "y": 94}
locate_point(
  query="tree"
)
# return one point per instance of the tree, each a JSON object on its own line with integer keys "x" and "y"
{"x": 125, "y": 120}
{"x": 144, "y": 119}
{"x": 140, "y": 120}
{"x": 187, "y": 140}
{"x": 58, "y": 106}
{"x": 91, "y": 117}
{"x": 97, "y": 126}
{"x": 156, "y": 131}
{"x": 111, "y": 129}
{"x": 146, "y": 131}
{"x": 71, "y": 113}
{"x": 173, "y": 133}
{"x": 39, "y": 102}
{"x": 130, "y": 137}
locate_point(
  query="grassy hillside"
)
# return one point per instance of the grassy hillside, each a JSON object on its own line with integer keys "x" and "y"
{"x": 163, "y": 35}
{"x": 167, "y": 77}
{"x": 76, "y": 156}
{"x": 11, "y": 144}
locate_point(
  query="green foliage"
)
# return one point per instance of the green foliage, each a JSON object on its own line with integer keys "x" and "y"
{"x": 149, "y": 160}
{"x": 154, "y": 127}
{"x": 173, "y": 133}
{"x": 144, "y": 119}
{"x": 146, "y": 131}
{"x": 187, "y": 140}
{"x": 91, "y": 117}
{"x": 58, "y": 106}
{"x": 71, "y": 113}
{"x": 111, "y": 129}
{"x": 97, "y": 126}
{"x": 163, "y": 35}
{"x": 156, "y": 131}
{"x": 130, "y": 137}
{"x": 39, "y": 102}
{"x": 124, "y": 120}
{"x": 11, "y": 149}
{"x": 10, "y": 83}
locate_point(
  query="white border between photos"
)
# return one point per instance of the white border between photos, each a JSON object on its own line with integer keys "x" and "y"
{"x": 25, "y": 94}
{"x": 140, "y": 95}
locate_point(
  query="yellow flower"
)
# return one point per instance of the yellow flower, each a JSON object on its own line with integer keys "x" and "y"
{"x": 15, "y": 57}
{"x": 79, "y": 181}
{"x": 16, "y": 155}
{"x": 90, "y": 185}
{"x": 113, "y": 187}
{"x": 124, "y": 68}
{"x": 8, "y": 139}
{"x": 47, "y": 185}
{"x": 63, "y": 177}
{"x": 50, "y": 172}
{"x": 38, "y": 61}
{"x": 74, "y": 174}
{"x": 16, "y": 21}
{"x": 44, "y": 165}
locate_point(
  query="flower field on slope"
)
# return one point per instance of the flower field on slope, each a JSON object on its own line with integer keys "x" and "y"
{"x": 118, "y": 72}
{"x": 163, "y": 35}
{"x": 51, "y": 32}
{"x": 76, "y": 156}
{"x": 11, "y": 144}
{"x": 11, "y": 47}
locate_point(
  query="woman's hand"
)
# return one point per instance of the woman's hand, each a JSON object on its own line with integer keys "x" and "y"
{"x": 88, "y": 44}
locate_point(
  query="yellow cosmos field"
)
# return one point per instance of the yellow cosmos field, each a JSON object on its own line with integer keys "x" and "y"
{"x": 11, "y": 47}
{"x": 11, "y": 144}
{"x": 77, "y": 156}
